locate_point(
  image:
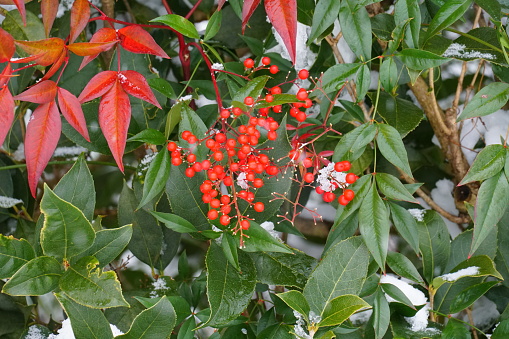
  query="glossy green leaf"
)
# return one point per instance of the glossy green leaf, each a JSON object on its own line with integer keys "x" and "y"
{"x": 253, "y": 89}
{"x": 356, "y": 28}
{"x": 455, "y": 330}
{"x": 296, "y": 301}
{"x": 363, "y": 82}
{"x": 342, "y": 271}
{"x": 109, "y": 243}
{"x": 389, "y": 74}
{"x": 86, "y": 322}
{"x": 434, "y": 244}
{"x": 149, "y": 136}
{"x": 492, "y": 7}
{"x": 382, "y": 26}
{"x": 374, "y": 225}
{"x": 179, "y": 24}
{"x": 97, "y": 289}
{"x": 405, "y": 224}
{"x": 229, "y": 291}
{"x": 277, "y": 331}
{"x": 230, "y": 247}
{"x": 402, "y": 329}
{"x": 492, "y": 201}
{"x": 326, "y": 12}
{"x": 460, "y": 247}
{"x": 468, "y": 296}
{"x": 391, "y": 146}
{"x": 335, "y": 77}
{"x": 487, "y": 163}
{"x": 279, "y": 99}
{"x": 192, "y": 122}
{"x": 174, "y": 222}
{"x": 419, "y": 59}
{"x": 341, "y": 308}
{"x": 488, "y": 100}
{"x": 163, "y": 87}
{"x": 66, "y": 231}
{"x": 14, "y": 253}
{"x": 397, "y": 36}
{"x": 153, "y": 323}
{"x": 479, "y": 43}
{"x": 395, "y": 293}
{"x": 409, "y": 9}
{"x": 448, "y": 14}
{"x": 352, "y": 144}
{"x": 213, "y": 25}
{"x": 37, "y": 277}
{"x": 502, "y": 330}
{"x": 392, "y": 188}
{"x": 260, "y": 240}
{"x": 156, "y": 177}
{"x": 402, "y": 266}
{"x": 381, "y": 314}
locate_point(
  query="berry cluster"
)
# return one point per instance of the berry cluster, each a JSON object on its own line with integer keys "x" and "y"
{"x": 334, "y": 176}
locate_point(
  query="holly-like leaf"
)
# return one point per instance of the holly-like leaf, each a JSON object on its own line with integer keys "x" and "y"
{"x": 90, "y": 48}
{"x": 71, "y": 109}
{"x": 43, "y": 132}
{"x": 6, "y": 112}
{"x": 283, "y": 16}
{"x": 14, "y": 253}
{"x": 488, "y": 100}
{"x": 137, "y": 40}
{"x": 49, "y": 10}
{"x": 7, "y": 47}
{"x": 80, "y": 13}
{"x": 135, "y": 84}
{"x": 487, "y": 163}
{"x": 248, "y": 9}
{"x": 41, "y": 93}
{"x": 44, "y": 52}
{"x": 179, "y": 24}
{"x": 114, "y": 118}
{"x": 98, "y": 86}
{"x": 105, "y": 34}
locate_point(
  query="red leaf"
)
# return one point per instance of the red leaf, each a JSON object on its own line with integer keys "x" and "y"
{"x": 43, "y": 132}
{"x": 105, "y": 34}
{"x": 49, "y": 9}
{"x": 114, "y": 117}
{"x": 46, "y": 51}
{"x": 6, "y": 112}
{"x": 325, "y": 153}
{"x": 7, "y": 47}
{"x": 220, "y": 4}
{"x": 247, "y": 10}
{"x": 20, "y": 5}
{"x": 283, "y": 16}
{"x": 137, "y": 40}
{"x": 56, "y": 65}
{"x": 98, "y": 85}
{"x": 71, "y": 110}
{"x": 5, "y": 75}
{"x": 135, "y": 84}
{"x": 80, "y": 13}
{"x": 90, "y": 48}
{"x": 40, "y": 93}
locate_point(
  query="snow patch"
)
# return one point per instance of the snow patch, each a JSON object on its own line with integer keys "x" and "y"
{"x": 158, "y": 285}
{"x": 417, "y": 213}
{"x": 328, "y": 176}
{"x": 456, "y": 50}
{"x": 34, "y": 332}
{"x": 269, "y": 227}
{"x": 469, "y": 271}
{"x": 7, "y": 202}
{"x": 66, "y": 331}
{"x": 69, "y": 151}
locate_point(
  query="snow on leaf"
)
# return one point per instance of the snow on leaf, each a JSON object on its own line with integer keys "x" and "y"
{"x": 40, "y": 93}
{"x": 98, "y": 86}
{"x": 135, "y": 84}
{"x": 6, "y": 112}
{"x": 283, "y": 16}
{"x": 469, "y": 271}
{"x": 456, "y": 50}
{"x": 80, "y": 13}
{"x": 71, "y": 109}
{"x": 137, "y": 40}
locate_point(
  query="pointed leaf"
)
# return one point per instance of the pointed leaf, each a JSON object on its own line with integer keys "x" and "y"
{"x": 71, "y": 109}
{"x": 488, "y": 100}
{"x": 6, "y": 112}
{"x": 47, "y": 51}
{"x": 335, "y": 77}
{"x": 90, "y": 48}
{"x": 248, "y": 9}
{"x": 7, "y": 47}
{"x": 283, "y": 16}
{"x": 98, "y": 86}
{"x": 469, "y": 295}
{"x": 353, "y": 142}
{"x": 213, "y": 26}
{"x": 253, "y": 89}
{"x": 174, "y": 222}
{"x": 392, "y": 148}
{"x": 150, "y": 136}
{"x": 156, "y": 177}
{"x": 296, "y": 301}
{"x": 259, "y": 240}
{"x": 43, "y": 132}
{"x": 392, "y": 188}
{"x": 37, "y": 277}
{"x": 341, "y": 308}
{"x": 405, "y": 224}
{"x": 407, "y": 9}
{"x": 14, "y": 253}
{"x": 66, "y": 231}
{"x": 326, "y": 12}
{"x": 356, "y": 27}
{"x": 487, "y": 163}
{"x": 105, "y": 34}
{"x": 448, "y": 14}
{"x": 80, "y": 13}
{"x": 179, "y": 24}
{"x": 419, "y": 59}
{"x": 374, "y": 225}
{"x": 135, "y": 84}
{"x": 137, "y": 40}
{"x": 41, "y": 93}
{"x": 20, "y": 5}
{"x": 381, "y": 314}
{"x": 402, "y": 266}
{"x": 363, "y": 82}
{"x": 49, "y": 10}
{"x": 114, "y": 118}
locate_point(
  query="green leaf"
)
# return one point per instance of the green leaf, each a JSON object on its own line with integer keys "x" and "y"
{"x": 389, "y": 74}
{"x": 279, "y": 99}
{"x": 492, "y": 201}
{"x": 86, "y": 322}
{"x": 352, "y": 144}
{"x": 342, "y": 271}
{"x": 253, "y": 89}
{"x": 381, "y": 314}
{"x": 487, "y": 164}
{"x": 488, "y": 100}
{"x": 109, "y": 243}
{"x": 479, "y": 43}
{"x": 149, "y": 136}
{"x": 392, "y": 188}
{"x": 492, "y": 7}
{"x": 34, "y": 29}
{"x": 97, "y": 289}
{"x": 163, "y": 87}
{"x": 276, "y": 268}
{"x": 391, "y": 146}
{"x": 363, "y": 82}
{"x": 260, "y": 240}
{"x": 66, "y": 231}
{"x": 156, "y": 177}
{"x": 502, "y": 330}
{"x": 382, "y": 26}
{"x": 296, "y": 301}
{"x": 230, "y": 247}
{"x": 192, "y": 122}
{"x": 409, "y": 9}
{"x": 174, "y": 222}
{"x": 14, "y": 253}
{"x": 374, "y": 225}
{"x": 37, "y": 277}
{"x": 326, "y": 11}
{"x": 146, "y": 240}
{"x": 405, "y": 224}
{"x": 356, "y": 28}
{"x": 153, "y": 323}
{"x": 434, "y": 244}
{"x": 229, "y": 291}
{"x": 335, "y": 77}
{"x": 448, "y": 14}
{"x": 397, "y": 36}
{"x": 179, "y": 24}
{"x": 341, "y": 308}
{"x": 395, "y": 293}
{"x": 460, "y": 247}
{"x": 403, "y": 267}
{"x": 420, "y": 59}
{"x": 455, "y": 330}
{"x": 469, "y": 295}
{"x": 213, "y": 25}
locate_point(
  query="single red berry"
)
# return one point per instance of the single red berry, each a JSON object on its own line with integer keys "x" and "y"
{"x": 220, "y": 137}
{"x": 226, "y": 209}
{"x": 245, "y": 224}
{"x": 308, "y": 103}
{"x": 271, "y": 170}
{"x": 197, "y": 167}
{"x": 351, "y": 178}
{"x": 186, "y": 135}
{"x": 303, "y": 74}
{"x": 218, "y": 156}
{"x": 212, "y": 214}
{"x": 225, "y": 114}
{"x": 231, "y": 143}
{"x": 250, "y": 196}
{"x": 190, "y": 172}
{"x": 237, "y": 111}
{"x": 309, "y": 177}
{"x": 328, "y": 197}
{"x": 307, "y": 162}
{"x": 192, "y": 139}
{"x": 343, "y": 200}
{"x": 210, "y": 143}
{"x": 206, "y": 198}
{"x": 242, "y": 194}
{"x": 234, "y": 166}
{"x": 302, "y": 95}
{"x": 206, "y": 186}
{"x": 273, "y": 69}
{"x": 249, "y": 101}
{"x": 258, "y": 182}
{"x": 276, "y": 90}
{"x": 175, "y": 154}
{"x": 294, "y": 111}
{"x": 252, "y": 121}
{"x": 191, "y": 157}
{"x": 228, "y": 181}
{"x": 349, "y": 194}
{"x": 177, "y": 161}
{"x": 259, "y": 206}
{"x": 266, "y": 61}
{"x": 215, "y": 203}
{"x": 264, "y": 111}
{"x": 249, "y": 63}
{"x": 269, "y": 98}
{"x": 218, "y": 169}
{"x": 272, "y": 135}
{"x": 225, "y": 199}
{"x": 301, "y": 116}
{"x": 339, "y": 166}
{"x": 319, "y": 190}
{"x": 277, "y": 109}
{"x": 172, "y": 146}
{"x": 224, "y": 220}
{"x": 205, "y": 164}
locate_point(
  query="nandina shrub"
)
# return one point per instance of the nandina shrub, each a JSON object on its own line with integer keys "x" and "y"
{"x": 197, "y": 146}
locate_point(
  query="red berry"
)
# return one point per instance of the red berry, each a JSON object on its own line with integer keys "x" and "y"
{"x": 273, "y": 125}
{"x": 186, "y": 135}
{"x": 237, "y": 111}
{"x": 231, "y": 143}
{"x": 249, "y": 63}
{"x": 277, "y": 109}
{"x": 190, "y": 172}
{"x": 210, "y": 143}
{"x": 245, "y": 224}
{"x": 339, "y": 166}
{"x": 303, "y": 74}
{"x": 176, "y": 161}
{"x": 294, "y": 111}
{"x": 220, "y": 137}
{"x": 215, "y": 203}
{"x": 259, "y": 206}
{"x": 302, "y": 95}
{"x": 271, "y": 170}
{"x": 351, "y": 178}
{"x": 258, "y": 183}
{"x": 269, "y": 98}
{"x": 328, "y": 197}
{"x": 224, "y": 220}
{"x": 249, "y": 101}
{"x": 308, "y": 103}
{"x": 175, "y": 154}
{"x": 197, "y": 167}
{"x": 349, "y": 194}
{"x": 192, "y": 139}
{"x": 212, "y": 214}
{"x": 225, "y": 199}
{"x": 226, "y": 209}
{"x": 225, "y": 114}
{"x": 205, "y": 164}
{"x": 273, "y": 69}
{"x": 301, "y": 116}
{"x": 191, "y": 157}
{"x": 172, "y": 146}
{"x": 276, "y": 90}
{"x": 309, "y": 177}
{"x": 319, "y": 190}
{"x": 266, "y": 61}
{"x": 218, "y": 156}
{"x": 272, "y": 135}
{"x": 264, "y": 111}
{"x": 206, "y": 186}
{"x": 307, "y": 162}
{"x": 343, "y": 200}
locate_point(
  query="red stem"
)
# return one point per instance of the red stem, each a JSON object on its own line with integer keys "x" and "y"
{"x": 193, "y": 9}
